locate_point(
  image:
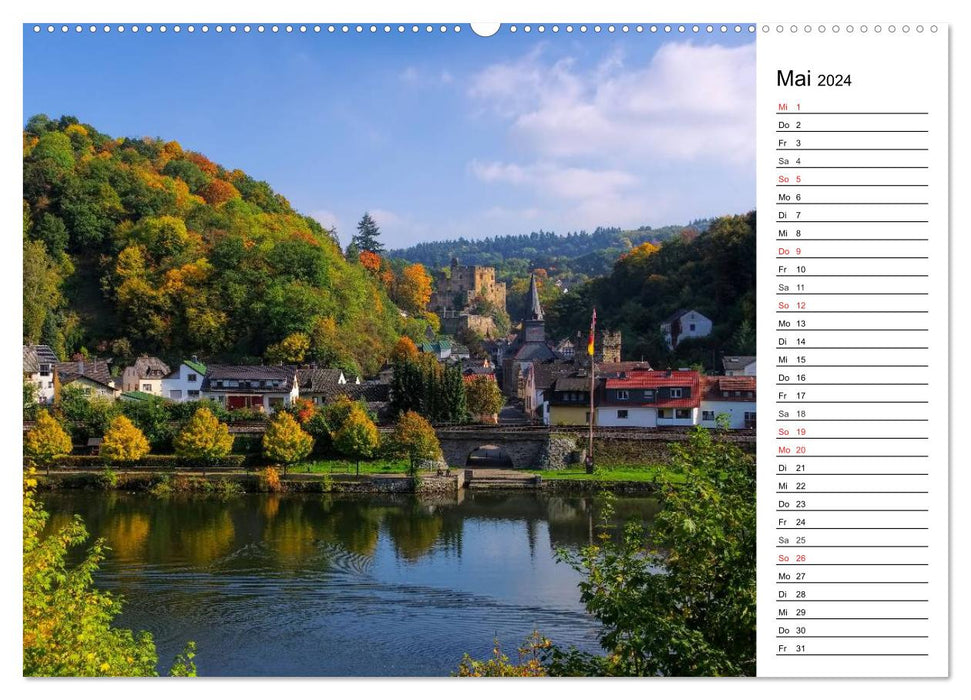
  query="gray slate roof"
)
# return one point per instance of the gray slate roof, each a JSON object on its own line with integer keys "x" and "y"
{"x": 250, "y": 377}
{"x": 93, "y": 369}
{"x": 735, "y": 362}
{"x": 149, "y": 367}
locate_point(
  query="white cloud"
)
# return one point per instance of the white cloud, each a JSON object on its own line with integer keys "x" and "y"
{"x": 325, "y": 218}
{"x": 689, "y": 102}
{"x": 558, "y": 181}
{"x": 619, "y": 143}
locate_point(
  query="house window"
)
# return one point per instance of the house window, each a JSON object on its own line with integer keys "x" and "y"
{"x": 193, "y": 393}
{"x": 648, "y": 395}
{"x": 750, "y": 415}
{"x": 147, "y": 387}
{"x": 622, "y": 414}
{"x": 192, "y": 378}
{"x": 623, "y": 395}
{"x": 677, "y": 393}
{"x": 682, "y": 413}
{"x": 175, "y": 394}
{"x": 707, "y": 415}
{"x": 691, "y": 326}
{"x": 662, "y": 413}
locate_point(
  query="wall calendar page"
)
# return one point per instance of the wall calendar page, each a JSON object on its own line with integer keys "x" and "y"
{"x": 403, "y": 345}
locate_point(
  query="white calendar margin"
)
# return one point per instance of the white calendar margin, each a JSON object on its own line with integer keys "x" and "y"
{"x": 906, "y": 70}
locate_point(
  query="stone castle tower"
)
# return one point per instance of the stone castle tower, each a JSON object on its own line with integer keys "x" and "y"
{"x": 606, "y": 347}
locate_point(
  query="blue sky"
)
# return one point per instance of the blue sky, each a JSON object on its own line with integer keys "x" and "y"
{"x": 437, "y": 135}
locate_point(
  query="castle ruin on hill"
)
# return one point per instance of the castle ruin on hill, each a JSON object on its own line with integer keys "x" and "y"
{"x": 460, "y": 295}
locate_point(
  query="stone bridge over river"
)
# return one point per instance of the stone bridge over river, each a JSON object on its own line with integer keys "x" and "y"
{"x": 545, "y": 448}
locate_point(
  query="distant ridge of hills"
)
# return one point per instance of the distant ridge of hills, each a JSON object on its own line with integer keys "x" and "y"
{"x": 579, "y": 253}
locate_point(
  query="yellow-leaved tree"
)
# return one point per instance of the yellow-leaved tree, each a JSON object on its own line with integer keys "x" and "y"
{"x": 124, "y": 443}
{"x": 358, "y": 437}
{"x": 46, "y": 442}
{"x": 285, "y": 442}
{"x": 68, "y": 627}
{"x": 204, "y": 439}
{"x": 414, "y": 438}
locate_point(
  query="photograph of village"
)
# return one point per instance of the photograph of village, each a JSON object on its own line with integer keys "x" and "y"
{"x": 391, "y": 353}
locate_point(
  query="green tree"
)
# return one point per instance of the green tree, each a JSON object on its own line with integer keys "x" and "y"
{"x": 41, "y": 287}
{"x": 67, "y": 627}
{"x": 366, "y": 238}
{"x": 681, "y": 601}
{"x": 124, "y": 443}
{"x": 30, "y": 400}
{"x": 452, "y": 395}
{"x": 285, "y": 442}
{"x": 46, "y": 442}
{"x": 483, "y": 396}
{"x": 415, "y": 439}
{"x": 88, "y": 416}
{"x": 204, "y": 438}
{"x": 357, "y": 438}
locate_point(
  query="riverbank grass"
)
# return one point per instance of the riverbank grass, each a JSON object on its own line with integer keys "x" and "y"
{"x": 613, "y": 472}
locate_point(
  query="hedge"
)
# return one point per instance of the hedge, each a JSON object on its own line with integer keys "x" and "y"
{"x": 153, "y": 462}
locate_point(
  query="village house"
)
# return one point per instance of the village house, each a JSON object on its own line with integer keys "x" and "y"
{"x": 649, "y": 399}
{"x": 92, "y": 375}
{"x": 321, "y": 385}
{"x": 738, "y": 365}
{"x": 261, "y": 388}
{"x": 569, "y": 401}
{"x": 145, "y": 375}
{"x": 685, "y": 324}
{"x": 184, "y": 383}
{"x": 731, "y": 397}
{"x": 39, "y": 366}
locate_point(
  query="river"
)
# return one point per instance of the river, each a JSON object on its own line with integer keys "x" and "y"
{"x": 311, "y": 585}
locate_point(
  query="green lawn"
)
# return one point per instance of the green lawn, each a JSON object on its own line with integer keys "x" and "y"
{"x": 342, "y": 466}
{"x": 611, "y": 472}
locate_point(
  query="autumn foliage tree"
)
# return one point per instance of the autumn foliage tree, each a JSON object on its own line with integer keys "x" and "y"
{"x": 46, "y": 442}
{"x": 204, "y": 438}
{"x": 285, "y": 442}
{"x": 414, "y": 288}
{"x": 414, "y": 438}
{"x": 358, "y": 437}
{"x": 291, "y": 350}
{"x": 124, "y": 443}
{"x": 483, "y": 396}
{"x": 404, "y": 350}
{"x": 67, "y": 626}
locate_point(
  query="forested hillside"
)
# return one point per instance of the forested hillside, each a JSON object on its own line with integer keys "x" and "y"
{"x": 570, "y": 257}
{"x": 713, "y": 273}
{"x": 136, "y": 245}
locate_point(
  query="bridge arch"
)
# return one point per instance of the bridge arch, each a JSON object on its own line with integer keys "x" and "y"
{"x": 489, "y": 456}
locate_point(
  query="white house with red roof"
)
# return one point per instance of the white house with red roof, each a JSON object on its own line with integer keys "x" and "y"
{"x": 732, "y": 397}
{"x": 650, "y": 399}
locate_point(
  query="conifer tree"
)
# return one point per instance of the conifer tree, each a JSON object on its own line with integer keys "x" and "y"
{"x": 366, "y": 238}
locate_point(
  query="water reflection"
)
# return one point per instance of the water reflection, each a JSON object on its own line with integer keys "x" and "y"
{"x": 382, "y": 585}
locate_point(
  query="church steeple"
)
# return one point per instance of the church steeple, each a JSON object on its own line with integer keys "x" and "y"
{"x": 534, "y": 328}
{"x": 535, "y": 311}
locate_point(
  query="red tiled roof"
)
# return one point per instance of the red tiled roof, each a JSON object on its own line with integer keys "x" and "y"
{"x": 654, "y": 379}
{"x": 716, "y": 387}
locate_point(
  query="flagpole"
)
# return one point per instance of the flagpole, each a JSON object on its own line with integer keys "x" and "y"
{"x": 593, "y": 372}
